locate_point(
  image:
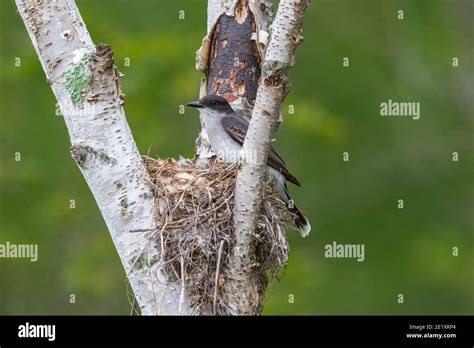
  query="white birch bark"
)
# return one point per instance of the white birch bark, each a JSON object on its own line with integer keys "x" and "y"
{"x": 251, "y": 177}
{"x": 86, "y": 87}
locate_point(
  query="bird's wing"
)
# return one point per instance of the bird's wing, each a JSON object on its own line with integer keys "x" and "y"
{"x": 236, "y": 127}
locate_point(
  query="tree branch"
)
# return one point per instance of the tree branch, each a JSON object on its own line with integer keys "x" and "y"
{"x": 85, "y": 83}
{"x": 250, "y": 182}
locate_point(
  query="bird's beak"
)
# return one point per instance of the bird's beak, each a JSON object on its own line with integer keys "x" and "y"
{"x": 195, "y": 104}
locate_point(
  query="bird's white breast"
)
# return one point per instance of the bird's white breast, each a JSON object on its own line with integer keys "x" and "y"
{"x": 222, "y": 144}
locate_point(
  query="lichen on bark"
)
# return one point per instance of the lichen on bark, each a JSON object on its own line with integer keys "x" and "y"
{"x": 78, "y": 78}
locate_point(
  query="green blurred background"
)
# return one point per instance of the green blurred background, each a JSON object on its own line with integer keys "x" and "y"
{"x": 407, "y": 251}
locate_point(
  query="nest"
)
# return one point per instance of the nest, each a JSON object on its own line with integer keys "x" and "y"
{"x": 193, "y": 211}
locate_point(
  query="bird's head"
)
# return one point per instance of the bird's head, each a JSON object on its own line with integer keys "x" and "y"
{"x": 212, "y": 104}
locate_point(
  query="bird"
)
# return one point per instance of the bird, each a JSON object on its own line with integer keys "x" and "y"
{"x": 226, "y": 132}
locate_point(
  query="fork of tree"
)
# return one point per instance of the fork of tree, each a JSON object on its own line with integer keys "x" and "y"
{"x": 243, "y": 59}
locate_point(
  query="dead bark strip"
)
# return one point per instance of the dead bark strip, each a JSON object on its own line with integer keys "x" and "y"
{"x": 234, "y": 64}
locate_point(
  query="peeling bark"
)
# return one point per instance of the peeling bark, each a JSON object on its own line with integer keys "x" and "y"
{"x": 86, "y": 86}
{"x": 250, "y": 182}
{"x": 234, "y": 64}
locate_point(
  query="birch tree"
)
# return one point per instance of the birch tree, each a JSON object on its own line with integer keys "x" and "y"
{"x": 237, "y": 63}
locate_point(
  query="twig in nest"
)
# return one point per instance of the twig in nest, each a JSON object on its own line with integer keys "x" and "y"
{"x": 216, "y": 286}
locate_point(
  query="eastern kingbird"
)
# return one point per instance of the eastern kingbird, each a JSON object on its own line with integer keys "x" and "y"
{"x": 226, "y": 131}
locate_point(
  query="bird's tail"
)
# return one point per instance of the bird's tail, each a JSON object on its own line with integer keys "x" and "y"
{"x": 301, "y": 222}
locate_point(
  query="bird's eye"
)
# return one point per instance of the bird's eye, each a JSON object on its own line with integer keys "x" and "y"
{"x": 214, "y": 102}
